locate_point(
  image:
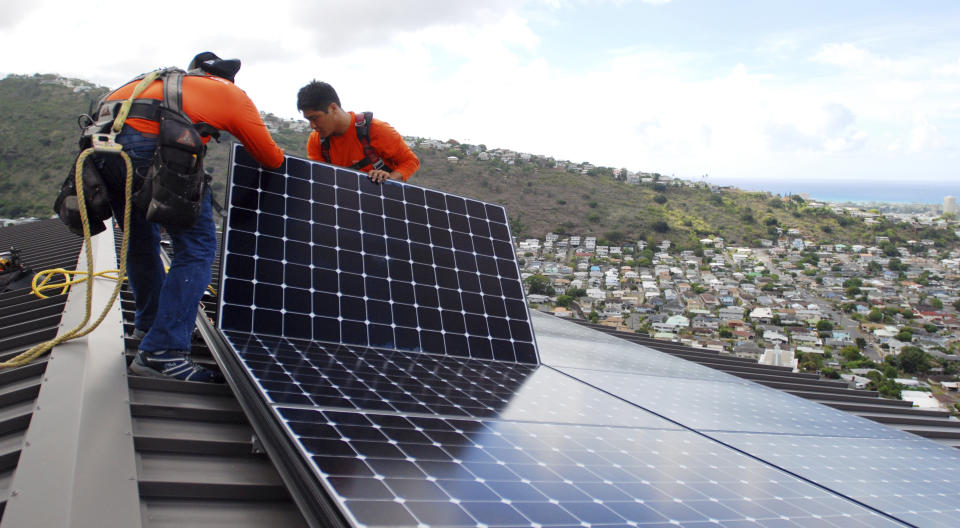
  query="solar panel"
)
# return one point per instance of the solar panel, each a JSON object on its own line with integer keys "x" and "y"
{"x": 909, "y": 477}
{"x": 384, "y": 329}
{"x": 389, "y": 470}
{"x": 313, "y": 374}
{"x": 569, "y": 345}
{"x": 321, "y": 253}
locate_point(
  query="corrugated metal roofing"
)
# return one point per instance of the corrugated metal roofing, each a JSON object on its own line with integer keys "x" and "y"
{"x": 26, "y": 321}
{"x": 197, "y": 463}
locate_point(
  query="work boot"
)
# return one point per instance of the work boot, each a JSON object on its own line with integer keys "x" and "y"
{"x": 173, "y": 364}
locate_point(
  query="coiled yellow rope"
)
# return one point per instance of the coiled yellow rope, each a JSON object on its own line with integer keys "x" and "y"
{"x": 79, "y": 330}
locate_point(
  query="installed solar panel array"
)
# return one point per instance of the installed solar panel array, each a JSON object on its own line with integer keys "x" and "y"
{"x": 356, "y": 311}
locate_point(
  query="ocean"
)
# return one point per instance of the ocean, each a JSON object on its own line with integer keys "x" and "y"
{"x": 855, "y": 191}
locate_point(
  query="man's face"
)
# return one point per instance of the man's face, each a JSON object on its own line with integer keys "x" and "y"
{"x": 321, "y": 121}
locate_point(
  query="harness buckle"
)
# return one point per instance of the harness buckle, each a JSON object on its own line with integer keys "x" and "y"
{"x": 105, "y": 142}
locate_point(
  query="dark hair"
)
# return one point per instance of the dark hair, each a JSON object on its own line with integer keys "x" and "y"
{"x": 317, "y": 95}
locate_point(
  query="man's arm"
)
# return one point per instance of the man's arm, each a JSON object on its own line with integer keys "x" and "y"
{"x": 250, "y": 129}
{"x": 390, "y": 146}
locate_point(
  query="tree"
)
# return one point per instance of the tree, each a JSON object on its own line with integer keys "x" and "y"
{"x": 875, "y": 316}
{"x": 830, "y": 373}
{"x": 936, "y": 303}
{"x": 886, "y": 387}
{"x": 824, "y": 325}
{"x": 594, "y": 317}
{"x": 540, "y": 284}
{"x": 615, "y": 237}
{"x": 660, "y": 226}
{"x": 564, "y": 300}
{"x": 913, "y": 360}
{"x": 854, "y": 282}
{"x": 890, "y": 371}
{"x": 861, "y": 342}
{"x": 905, "y": 335}
{"x": 516, "y": 225}
{"x": 851, "y": 353}
{"x": 576, "y": 292}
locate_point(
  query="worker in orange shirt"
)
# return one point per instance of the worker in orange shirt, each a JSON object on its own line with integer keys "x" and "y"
{"x": 167, "y": 302}
{"x": 356, "y": 141}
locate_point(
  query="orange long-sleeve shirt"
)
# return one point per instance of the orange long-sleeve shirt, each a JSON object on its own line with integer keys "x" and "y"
{"x": 346, "y": 150}
{"x": 219, "y": 103}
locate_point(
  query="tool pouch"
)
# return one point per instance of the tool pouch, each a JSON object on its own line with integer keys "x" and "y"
{"x": 67, "y": 207}
{"x": 173, "y": 189}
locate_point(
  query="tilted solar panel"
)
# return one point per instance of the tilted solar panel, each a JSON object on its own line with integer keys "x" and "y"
{"x": 316, "y": 252}
{"x": 384, "y": 328}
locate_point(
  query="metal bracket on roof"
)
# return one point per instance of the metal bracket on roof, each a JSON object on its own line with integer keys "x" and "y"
{"x": 255, "y": 446}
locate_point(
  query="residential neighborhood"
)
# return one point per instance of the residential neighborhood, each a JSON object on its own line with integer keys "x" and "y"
{"x": 838, "y": 310}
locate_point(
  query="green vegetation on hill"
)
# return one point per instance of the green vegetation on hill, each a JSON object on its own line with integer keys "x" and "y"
{"x": 540, "y": 198}
{"x": 38, "y": 134}
{"x": 38, "y": 139}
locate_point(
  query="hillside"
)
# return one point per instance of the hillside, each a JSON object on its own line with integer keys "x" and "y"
{"x": 38, "y": 139}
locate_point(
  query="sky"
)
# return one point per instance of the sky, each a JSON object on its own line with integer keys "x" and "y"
{"x": 721, "y": 91}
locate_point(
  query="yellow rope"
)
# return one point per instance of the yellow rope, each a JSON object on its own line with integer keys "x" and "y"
{"x": 79, "y": 330}
{"x": 41, "y": 280}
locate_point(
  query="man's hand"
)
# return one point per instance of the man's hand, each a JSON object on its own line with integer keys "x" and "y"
{"x": 377, "y": 176}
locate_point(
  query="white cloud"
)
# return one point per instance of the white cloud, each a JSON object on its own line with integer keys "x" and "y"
{"x": 12, "y": 13}
{"x": 483, "y": 73}
{"x": 844, "y": 54}
{"x": 950, "y": 70}
{"x": 925, "y": 136}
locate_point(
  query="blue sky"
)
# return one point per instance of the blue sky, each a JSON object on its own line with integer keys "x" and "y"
{"x": 739, "y": 90}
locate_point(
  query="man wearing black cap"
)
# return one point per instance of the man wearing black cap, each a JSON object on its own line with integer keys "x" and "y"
{"x": 167, "y": 302}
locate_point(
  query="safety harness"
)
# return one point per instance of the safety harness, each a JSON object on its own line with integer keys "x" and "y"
{"x": 370, "y": 156}
{"x": 171, "y": 191}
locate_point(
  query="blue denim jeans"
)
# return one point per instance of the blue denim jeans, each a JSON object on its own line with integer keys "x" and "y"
{"x": 166, "y": 303}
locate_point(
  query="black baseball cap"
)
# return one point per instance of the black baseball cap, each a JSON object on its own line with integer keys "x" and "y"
{"x": 210, "y": 63}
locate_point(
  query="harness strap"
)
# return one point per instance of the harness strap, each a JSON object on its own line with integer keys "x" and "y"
{"x": 370, "y": 156}
{"x": 149, "y": 109}
{"x": 173, "y": 92}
